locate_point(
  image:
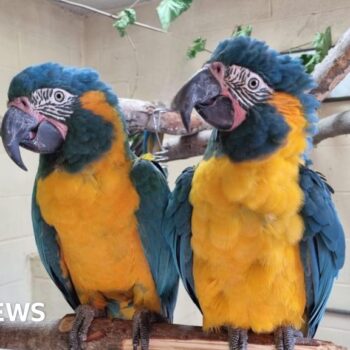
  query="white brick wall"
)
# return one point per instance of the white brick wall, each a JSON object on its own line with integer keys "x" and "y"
{"x": 35, "y": 31}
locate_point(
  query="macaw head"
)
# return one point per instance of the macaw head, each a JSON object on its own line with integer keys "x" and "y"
{"x": 66, "y": 114}
{"x": 254, "y": 96}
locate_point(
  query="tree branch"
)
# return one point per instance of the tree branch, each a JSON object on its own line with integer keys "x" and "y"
{"x": 334, "y": 125}
{"x": 116, "y": 334}
{"x": 333, "y": 69}
{"x": 141, "y": 115}
{"x": 186, "y": 146}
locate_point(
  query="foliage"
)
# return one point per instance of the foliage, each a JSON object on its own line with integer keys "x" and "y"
{"x": 242, "y": 30}
{"x": 321, "y": 43}
{"x": 198, "y": 45}
{"x": 125, "y": 18}
{"x": 169, "y": 10}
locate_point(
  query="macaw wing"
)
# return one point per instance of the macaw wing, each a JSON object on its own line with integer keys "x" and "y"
{"x": 323, "y": 245}
{"x": 178, "y": 230}
{"x": 50, "y": 255}
{"x": 153, "y": 191}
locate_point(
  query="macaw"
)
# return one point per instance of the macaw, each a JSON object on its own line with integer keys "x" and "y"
{"x": 97, "y": 209}
{"x": 254, "y": 231}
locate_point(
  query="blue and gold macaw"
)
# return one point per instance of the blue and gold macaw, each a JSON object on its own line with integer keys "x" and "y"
{"x": 97, "y": 209}
{"x": 256, "y": 236}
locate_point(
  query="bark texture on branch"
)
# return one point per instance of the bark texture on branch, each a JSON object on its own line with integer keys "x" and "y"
{"x": 142, "y": 115}
{"x": 186, "y": 146}
{"x": 333, "y": 69}
{"x": 334, "y": 125}
{"x": 116, "y": 334}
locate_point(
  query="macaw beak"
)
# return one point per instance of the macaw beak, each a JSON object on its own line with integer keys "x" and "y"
{"x": 20, "y": 128}
{"x": 207, "y": 93}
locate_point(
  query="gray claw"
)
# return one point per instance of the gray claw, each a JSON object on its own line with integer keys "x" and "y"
{"x": 165, "y": 151}
{"x": 237, "y": 338}
{"x": 285, "y": 338}
{"x": 161, "y": 159}
{"x": 161, "y": 156}
{"x": 141, "y": 327}
{"x": 84, "y": 315}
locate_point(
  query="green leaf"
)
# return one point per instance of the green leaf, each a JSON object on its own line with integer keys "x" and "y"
{"x": 308, "y": 60}
{"x": 125, "y": 18}
{"x": 321, "y": 43}
{"x": 168, "y": 10}
{"x": 198, "y": 45}
{"x": 242, "y": 30}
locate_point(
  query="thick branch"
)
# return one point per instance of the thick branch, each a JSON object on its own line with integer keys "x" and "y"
{"x": 116, "y": 334}
{"x": 333, "y": 69}
{"x": 186, "y": 146}
{"x": 142, "y": 115}
{"x": 334, "y": 125}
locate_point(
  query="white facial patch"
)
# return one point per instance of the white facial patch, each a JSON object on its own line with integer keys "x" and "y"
{"x": 55, "y": 103}
{"x": 248, "y": 87}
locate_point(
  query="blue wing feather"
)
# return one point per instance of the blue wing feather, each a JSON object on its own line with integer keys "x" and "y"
{"x": 153, "y": 190}
{"x": 178, "y": 229}
{"x": 323, "y": 245}
{"x": 49, "y": 251}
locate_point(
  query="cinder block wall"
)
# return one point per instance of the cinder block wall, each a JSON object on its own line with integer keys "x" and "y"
{"x": 38, "y": 30}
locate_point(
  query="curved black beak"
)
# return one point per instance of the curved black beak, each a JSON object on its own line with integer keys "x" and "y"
{"x": 204, "y": 93}
{"x": 19, "y": 128}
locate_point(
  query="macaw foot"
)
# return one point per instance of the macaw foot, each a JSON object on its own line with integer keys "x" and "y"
{"x": 285, "y": 338}
{"x": 237, "y": 338}
{"x": 84, "y": 315}
{"x": 141, "y": 327}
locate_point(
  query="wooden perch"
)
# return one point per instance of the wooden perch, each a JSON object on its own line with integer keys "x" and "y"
{"x": 333, "y": 69}
{"x": 116, "y": 334}
{"x": 334, "y": 125}
{"x": 142, "y": 115}
{"x": 186, "y": 146}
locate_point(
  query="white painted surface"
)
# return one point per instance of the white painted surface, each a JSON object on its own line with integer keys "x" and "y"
{"x": 31, "y": 32}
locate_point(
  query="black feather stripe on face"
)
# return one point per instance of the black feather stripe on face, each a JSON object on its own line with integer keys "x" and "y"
{"x": 249, "y": 88}
{"x": 46, "y": 102}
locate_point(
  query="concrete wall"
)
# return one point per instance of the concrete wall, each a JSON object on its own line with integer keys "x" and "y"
{"x": 41, "y": 31}
{"x": 30, "y": 32}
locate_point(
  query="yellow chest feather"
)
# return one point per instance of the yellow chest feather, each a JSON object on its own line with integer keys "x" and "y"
{"x": 93, "y": 212}
{"x": 245, "y": 234}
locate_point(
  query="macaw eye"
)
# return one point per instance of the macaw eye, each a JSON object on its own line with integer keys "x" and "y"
{"x": 253, "y": 83}
{"x": 54, "y": 102}
{"x": 59, "y": 96}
